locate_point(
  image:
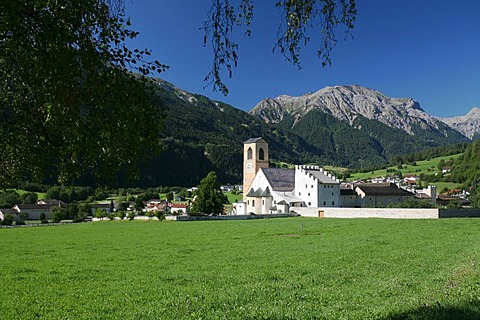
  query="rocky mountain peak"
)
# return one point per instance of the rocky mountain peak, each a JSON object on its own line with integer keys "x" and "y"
{"x": 346, "y": 103}
{"x": 468, "y": 125}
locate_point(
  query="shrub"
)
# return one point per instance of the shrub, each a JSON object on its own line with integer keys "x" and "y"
{"x": 57, "y": 214}
{"x": 111, "y": 215}
{"x": 7, "y": 219}
{"x": 21, "y": 219}
{"x": 80, "y": 217}
{"x": 99, "y": 214}
{"x": 121, "y": 214}
{"x": 43, "y": 218}
{"x": 160, "y": 215}
{"x": 131, "y": 215}
{"x": 191, "y": 213}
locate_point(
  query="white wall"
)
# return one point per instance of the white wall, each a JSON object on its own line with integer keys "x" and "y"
{"x": 314, "y": 193}
{"x": 329, "y": 194}
{"x": 306, "y": 188}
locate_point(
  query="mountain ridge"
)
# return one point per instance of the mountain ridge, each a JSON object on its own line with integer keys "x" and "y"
{"x": 346, "y": 103}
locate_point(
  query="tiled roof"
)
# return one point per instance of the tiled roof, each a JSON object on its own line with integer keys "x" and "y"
{"x": 178, "y": 205}
{"x": 54, "y": 202}
{"x": 421, "y": 195}
{"x": 7, "y": 210}
{"x": 33, "y": 206}
{"x": 347, "y": 192}
{"x": 383, "y": 189}
{"x": 321, "y": 177}
{"x": 280, "y": 179}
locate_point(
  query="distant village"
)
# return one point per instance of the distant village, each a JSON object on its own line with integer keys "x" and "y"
{"x": 269, "y": 190}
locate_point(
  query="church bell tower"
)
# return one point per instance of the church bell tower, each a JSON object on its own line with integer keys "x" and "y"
{"x": 255, "y": 156}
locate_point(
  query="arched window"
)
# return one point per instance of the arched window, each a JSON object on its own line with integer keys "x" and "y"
{"x": 249, "y": 153}
{"x": 261, "y": 154}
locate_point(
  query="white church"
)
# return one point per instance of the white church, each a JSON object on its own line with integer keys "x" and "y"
{"x": 276, "y": 190}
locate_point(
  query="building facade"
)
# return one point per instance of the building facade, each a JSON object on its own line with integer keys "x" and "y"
{"x": 277, "y": 190}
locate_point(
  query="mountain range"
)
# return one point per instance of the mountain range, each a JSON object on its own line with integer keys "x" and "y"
{"x": 350, "y": 126}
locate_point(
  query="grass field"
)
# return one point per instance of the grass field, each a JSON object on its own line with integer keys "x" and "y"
{"x": 257, "y": 269}
{"x": 41, "y": 195}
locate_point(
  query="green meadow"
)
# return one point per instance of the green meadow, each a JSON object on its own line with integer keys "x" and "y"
{"x": 424, "y": 166}
{"x": 295, "y": 268}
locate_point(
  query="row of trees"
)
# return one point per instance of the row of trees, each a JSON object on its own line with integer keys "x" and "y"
{"x": 429, "y": 153}
{"x": 9, "y": 198}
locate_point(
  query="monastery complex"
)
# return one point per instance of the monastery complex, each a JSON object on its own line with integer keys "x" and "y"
{"x": 278, "y": 190}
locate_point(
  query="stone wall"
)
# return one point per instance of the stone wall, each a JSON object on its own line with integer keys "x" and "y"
{"x": 368, "y": 213}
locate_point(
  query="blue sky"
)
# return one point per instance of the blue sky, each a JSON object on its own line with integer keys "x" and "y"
{"x": 428, "y": 50}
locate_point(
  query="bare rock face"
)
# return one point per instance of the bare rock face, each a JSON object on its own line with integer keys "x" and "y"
{"x": 346, "y": 103}
{"x": 468, "y": 125}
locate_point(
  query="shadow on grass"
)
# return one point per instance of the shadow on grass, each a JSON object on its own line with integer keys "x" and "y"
{"x": 439, "y": 312}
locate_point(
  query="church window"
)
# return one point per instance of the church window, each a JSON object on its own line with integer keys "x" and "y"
{"x": 249, "y": 153}
{"x": 261, "y": 154}
{"x": 248, "y": 202}
{"x": 309, "y": 194}
{"x": 263, "y": 202}
{"x": 309, "y": 203}
{"x": 306, "y": 186}
{"x": 312, "y": 186}
{"x": 299, "y": 193}
{"x": 253, "y": 203}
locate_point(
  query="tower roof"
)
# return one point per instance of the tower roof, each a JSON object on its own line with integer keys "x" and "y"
{"x": 253, "y": 140}
{"x": 259, "y": 193}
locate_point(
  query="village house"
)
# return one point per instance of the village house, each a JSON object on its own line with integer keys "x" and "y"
{"x": 380, "y": 194}
{"x": 378, "y": 180}
{"x": 411, "y": 179}
{"x": 427, "y": 194}
{"x": 157, "y": 205}
{"x": 178, "y": 208}
{"x": 53, "y": 202}
{"x": 105, "y": 207}
{"x": 348, "y": 196}
{"x": 446, "y": 169}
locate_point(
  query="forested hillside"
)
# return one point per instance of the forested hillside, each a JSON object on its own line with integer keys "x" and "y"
{"x": 200, "y": 135}
{"x": 364, "y": 144}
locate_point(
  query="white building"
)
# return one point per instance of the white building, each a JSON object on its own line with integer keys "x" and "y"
{"x": 276, "y": 190}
